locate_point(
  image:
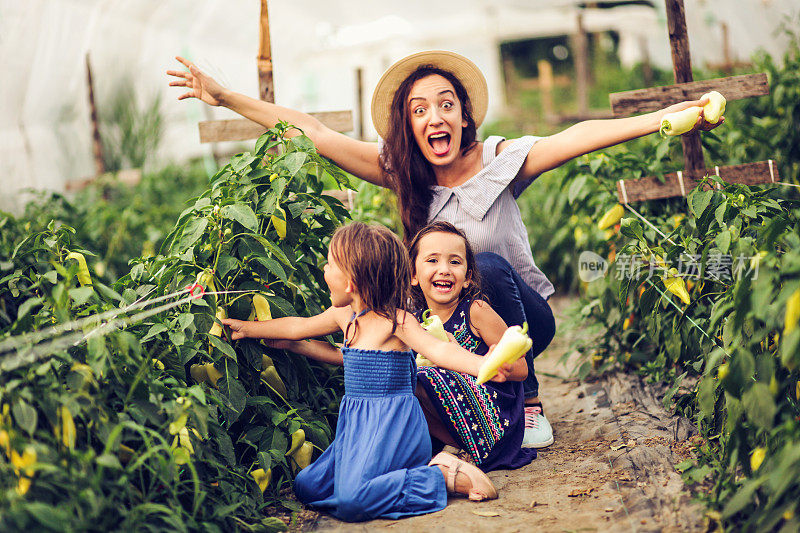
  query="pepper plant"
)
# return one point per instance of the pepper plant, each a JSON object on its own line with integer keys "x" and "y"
{"x": 113, "y": 431}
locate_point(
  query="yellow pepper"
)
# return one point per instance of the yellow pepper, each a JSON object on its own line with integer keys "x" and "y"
{"x": 261, "y": 306}
{"x": 757, "y": 458}
{"x": 676, "y": 286}
{"x": 433, "y": 324}
{"x": 679, "y": 122}
{"x": 298, "y": 438}
{"x": 213, "y": 374}
{"x": 512, "y": 345}
{"x": 279, "y": 222}
{"x": 198, "y": 373}
{"x": 206, "y": 280}
{"x": 5, "y": 442}
{"x": 262, "y": 478}
{"x": 23, "y": 468}
{"x": 216, "y": 329}
{"x": 266, "y": 361}
{"x": 723, "y": 371}
{"x": 182, "y": 446}
{"x": 65, "y": 431}
{"x": 271, "y": 377}
{"x": 302, "y": 457}
{"x": 84, "y": 278}
{"x": 792, "y": 313}
{"x": 612, "y": 216}
{"x": 715, "y": 107}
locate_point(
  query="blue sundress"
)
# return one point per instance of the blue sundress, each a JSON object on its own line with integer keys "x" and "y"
{"x": 487, "y": 421}
{"x": 376, "y": 467}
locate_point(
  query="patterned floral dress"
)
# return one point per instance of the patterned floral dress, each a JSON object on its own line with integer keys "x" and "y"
{"x": 487, "y": 421}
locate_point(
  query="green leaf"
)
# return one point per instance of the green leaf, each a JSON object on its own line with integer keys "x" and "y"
{"x": 723, "y": 241}
{"x": 576, "y": 188}
{"x": 25, "y": 416}
{"x": 241, "y": 213}
{"x": 192, "y": 232}
{"x": 222, "y": 346}
{"x": 293, "y": 162}
{"x": 759, "y": 405}
{"x": 698, "y": 201}
{"x": 233, "y": 390}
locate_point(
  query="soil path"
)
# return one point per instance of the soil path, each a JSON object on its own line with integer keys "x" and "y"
{"x": 611, "y": 467}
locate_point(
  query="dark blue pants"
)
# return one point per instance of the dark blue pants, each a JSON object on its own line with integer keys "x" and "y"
{"x": 516, "y": 303}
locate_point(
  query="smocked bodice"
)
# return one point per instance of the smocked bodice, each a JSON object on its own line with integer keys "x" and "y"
{"x": 377, "y": 373}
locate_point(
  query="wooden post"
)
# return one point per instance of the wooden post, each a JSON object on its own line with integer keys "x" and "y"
{"x": 360, "y": 102}
{"x": 99, "y": 166}
{"x": 582, "y": 66}
{"x": 682, "y": 67}
{"x": 727, "y": 65}
{"x": 546, "y": 89}
{"x": 656, "y": 98}
{"x": 266, "y": 90}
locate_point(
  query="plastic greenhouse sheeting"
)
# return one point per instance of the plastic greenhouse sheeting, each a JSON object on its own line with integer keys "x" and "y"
{"x": 45, "y": 130}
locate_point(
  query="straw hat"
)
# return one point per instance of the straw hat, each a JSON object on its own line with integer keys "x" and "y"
{"x": 465, "y": 70}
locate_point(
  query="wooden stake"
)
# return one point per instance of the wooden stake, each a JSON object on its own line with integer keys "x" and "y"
{"x": 360, "y": 102}
{"x": 266, "y": 90}
{"x": 582, "y": 66}
{"x": 99, "y": 166}
{"x": 682, "y": 67}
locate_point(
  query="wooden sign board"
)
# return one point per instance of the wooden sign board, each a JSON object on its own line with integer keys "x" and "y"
{"x": 628, "y": 103}
{"x": 680, "y": 183}
{"x": 242, "y": 129}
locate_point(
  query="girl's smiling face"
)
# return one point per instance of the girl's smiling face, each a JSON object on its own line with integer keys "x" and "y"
{"x": 440, "y": 268}
{"x": 436, "y": 118}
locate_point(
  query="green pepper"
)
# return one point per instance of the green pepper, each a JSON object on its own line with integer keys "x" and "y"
{"x": 433, "y": 324}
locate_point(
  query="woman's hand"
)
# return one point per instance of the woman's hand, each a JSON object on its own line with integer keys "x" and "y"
{"x": 240, "y": 329}
{"x": 702, "y": 124}
{"x": 203, "y": 87}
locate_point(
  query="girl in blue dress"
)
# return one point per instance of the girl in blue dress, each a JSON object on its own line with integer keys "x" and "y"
{"x": 379, "y": 464}
{"x": 487, "y": 421}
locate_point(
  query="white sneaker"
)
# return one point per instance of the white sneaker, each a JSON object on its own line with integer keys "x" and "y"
{"x": 538, "y": 432}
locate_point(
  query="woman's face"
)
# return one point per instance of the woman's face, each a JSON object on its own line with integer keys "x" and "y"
{"x": 436, "y": 119}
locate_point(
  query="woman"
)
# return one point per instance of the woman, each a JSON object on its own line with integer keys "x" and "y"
{"x": 427, "y": 107}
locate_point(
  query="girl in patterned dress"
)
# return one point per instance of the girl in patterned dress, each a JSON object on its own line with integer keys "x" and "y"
{"x": 379, "y": 465}
{"x": 487, "y": 421}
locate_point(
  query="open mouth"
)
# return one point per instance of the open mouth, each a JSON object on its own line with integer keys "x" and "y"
{"x": 443, "y": 285}
{"x": 440, "y": 143}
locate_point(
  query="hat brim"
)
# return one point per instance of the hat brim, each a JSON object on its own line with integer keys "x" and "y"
{"x": 462, "y": 68}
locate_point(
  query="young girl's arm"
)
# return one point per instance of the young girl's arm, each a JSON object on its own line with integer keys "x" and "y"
{"x": 447, "y": 355}
{"x": 590, "y": 135}
{"x": 357, "y": 157}
{"x": 290, "y": 327}
{"x": 490, "y": 327}
{"x": 317, "y": 350}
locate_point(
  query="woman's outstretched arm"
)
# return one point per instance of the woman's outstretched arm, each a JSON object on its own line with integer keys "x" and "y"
{"x": 357, "y": 157}
{"x": 588, "y": 136}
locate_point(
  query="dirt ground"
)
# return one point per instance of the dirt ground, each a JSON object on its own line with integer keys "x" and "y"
{"x": 611, "y": 467}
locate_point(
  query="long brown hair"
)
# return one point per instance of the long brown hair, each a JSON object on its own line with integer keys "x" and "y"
{"x": 472, "y": 291}
{"x": 405, "y": 169}
{"x": 377, "y": 264}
